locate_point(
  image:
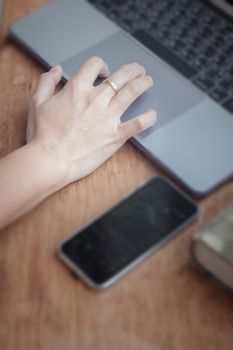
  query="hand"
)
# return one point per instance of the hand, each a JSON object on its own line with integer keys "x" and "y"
{"x": 80, "y": 125}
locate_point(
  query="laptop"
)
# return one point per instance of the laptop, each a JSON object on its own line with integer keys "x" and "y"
{"x": 185, "y": 45}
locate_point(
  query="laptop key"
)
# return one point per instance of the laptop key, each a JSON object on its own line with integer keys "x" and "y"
{"x": 218, "y": 94}
{"x": 226, "y": 83}
{"x": 185, "y": 34}
{"x": 163, "y": 52}
{"x": 204, "y": 83}
{"x": 118, "y": 2}
{"x": 229, "y": 105}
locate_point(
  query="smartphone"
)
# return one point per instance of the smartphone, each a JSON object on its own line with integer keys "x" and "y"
{"x": 116, "y": 242}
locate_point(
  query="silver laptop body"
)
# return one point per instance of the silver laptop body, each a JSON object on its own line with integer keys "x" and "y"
{"x": 193, "y": 138}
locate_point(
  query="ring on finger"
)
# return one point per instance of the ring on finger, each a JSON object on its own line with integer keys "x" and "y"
{"x": 111, "y": 84}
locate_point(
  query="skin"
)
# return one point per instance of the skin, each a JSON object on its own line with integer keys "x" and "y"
{"x": 70, "y": 133}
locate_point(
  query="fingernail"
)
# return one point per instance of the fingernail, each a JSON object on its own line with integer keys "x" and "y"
{"x": 150, "y": 79}
{"x": 143, "y": 70}
{"x": 153, "y": 115}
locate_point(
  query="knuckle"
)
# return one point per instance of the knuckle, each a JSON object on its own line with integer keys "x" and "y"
{"x": 97, "y": 103}
{"x": 122, "y": 135}
{"x": 134, "y": 89}
{"x": 117, "y": 134}
{"x": 76, "y": 85}
{"x": 139, "y": 124}
{"x": 128, "y": 70}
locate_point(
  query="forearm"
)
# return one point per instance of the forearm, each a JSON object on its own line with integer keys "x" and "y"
{"x": 27, "y": 176}
{"x": 79, "y": 127}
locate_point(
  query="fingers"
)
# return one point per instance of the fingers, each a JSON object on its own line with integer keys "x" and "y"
{"x": 120, "y": 78}
{"x": 89, "y": 71}
{"x": 47, "y": 84}
{"x": 129, "y": 93}
{"x": 137, "y": 124}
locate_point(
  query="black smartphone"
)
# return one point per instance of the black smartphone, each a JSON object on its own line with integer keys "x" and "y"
{"x": 117, "y": 241}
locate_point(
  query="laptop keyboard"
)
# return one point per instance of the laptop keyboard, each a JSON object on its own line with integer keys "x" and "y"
{"x": 187, "y": 34}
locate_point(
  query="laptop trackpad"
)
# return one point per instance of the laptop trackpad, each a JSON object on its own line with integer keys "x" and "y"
{"x": 171, "y": 94}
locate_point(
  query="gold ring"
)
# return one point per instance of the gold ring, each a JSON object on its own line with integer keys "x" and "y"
{"x": 112, "y": 84}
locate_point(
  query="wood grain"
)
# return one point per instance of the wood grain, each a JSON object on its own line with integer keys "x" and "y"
{"x": 164, "y": 304}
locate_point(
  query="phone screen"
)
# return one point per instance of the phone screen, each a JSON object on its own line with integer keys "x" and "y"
{"x": 128, "y": 231}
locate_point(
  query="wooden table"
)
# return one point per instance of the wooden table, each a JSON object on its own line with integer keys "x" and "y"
{"x": 164, "y": 304}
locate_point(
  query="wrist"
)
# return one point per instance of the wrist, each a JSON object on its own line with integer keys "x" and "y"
{"x": 54, "y": 167}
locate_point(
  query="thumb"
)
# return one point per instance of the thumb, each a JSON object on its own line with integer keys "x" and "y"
{"x": 47, "y": 84}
